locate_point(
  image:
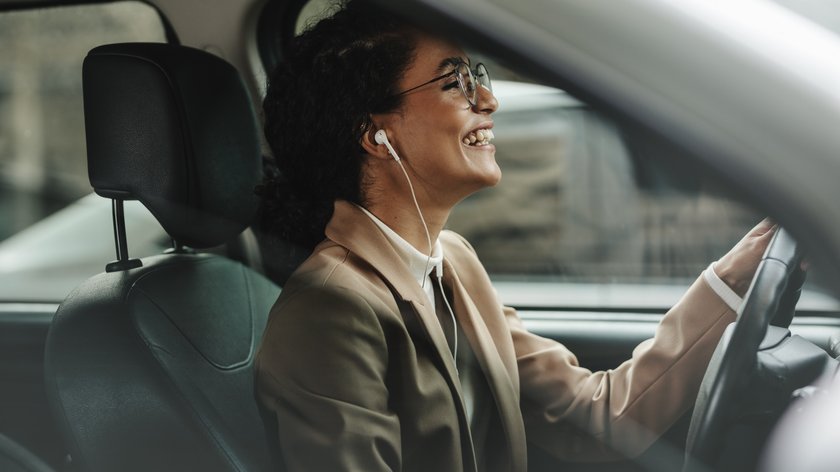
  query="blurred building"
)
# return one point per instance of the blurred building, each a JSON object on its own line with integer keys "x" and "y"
{"x": 42, "y": 140}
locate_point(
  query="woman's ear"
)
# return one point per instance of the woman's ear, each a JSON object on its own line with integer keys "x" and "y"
{"x": 373, "y": 148}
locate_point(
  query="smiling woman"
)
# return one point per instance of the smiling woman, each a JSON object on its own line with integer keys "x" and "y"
{"x": 388, "y": 348}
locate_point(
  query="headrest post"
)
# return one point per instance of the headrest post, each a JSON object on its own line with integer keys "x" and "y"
{"x": 178, "y": 248}
{"x": 120, "y": 240}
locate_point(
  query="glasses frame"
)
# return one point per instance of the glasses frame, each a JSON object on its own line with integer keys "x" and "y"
{"x": 472, "y": 72}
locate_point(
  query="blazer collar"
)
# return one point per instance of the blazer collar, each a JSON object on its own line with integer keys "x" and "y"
{"x": 352, "y": 229}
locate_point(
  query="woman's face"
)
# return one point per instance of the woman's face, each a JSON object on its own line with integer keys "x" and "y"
{"x": 436, "y": 129}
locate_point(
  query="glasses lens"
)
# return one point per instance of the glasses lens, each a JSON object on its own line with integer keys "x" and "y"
{"x": 471, "y": 80}
{"x": 467, "y": 82}
{"x": 483, "y": 77}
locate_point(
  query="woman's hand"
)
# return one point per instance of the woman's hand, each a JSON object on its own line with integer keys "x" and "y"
{"x": 738, "y": 266}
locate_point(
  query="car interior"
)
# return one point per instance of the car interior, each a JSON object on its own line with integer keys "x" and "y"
{"x": 148, "y": 365}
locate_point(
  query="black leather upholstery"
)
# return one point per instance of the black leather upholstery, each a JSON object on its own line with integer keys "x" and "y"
{"x": 173, "y": 127}
{"x": 150, "y": 369}
{"x": 14, "y": 458}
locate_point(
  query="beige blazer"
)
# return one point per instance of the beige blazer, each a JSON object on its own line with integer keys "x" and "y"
{"x": 356, "y": 371}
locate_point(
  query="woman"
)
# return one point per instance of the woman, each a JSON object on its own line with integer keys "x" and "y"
{"x": 388, "y": 349}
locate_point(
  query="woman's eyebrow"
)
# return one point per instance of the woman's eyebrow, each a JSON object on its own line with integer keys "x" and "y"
{"x": 449, "y": 62}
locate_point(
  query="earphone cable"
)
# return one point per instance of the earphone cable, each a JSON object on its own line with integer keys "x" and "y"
{"x": 381, "y": 138}
{"x": 422, "y": 220}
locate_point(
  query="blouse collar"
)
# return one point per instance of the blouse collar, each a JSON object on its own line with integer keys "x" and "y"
{"x": 419, "y": 264}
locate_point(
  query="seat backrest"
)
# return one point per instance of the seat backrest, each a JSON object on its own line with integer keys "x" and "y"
{"x": 150, "y": 367}
{"x": 15, "y": 458}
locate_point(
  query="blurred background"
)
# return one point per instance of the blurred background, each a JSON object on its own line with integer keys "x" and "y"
{"x": 42, "y": 141}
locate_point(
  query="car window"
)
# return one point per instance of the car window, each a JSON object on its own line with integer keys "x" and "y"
{"x": 584, "y": 200}
{"x": 48, "y": 232}
{"x": 591, "y": 214}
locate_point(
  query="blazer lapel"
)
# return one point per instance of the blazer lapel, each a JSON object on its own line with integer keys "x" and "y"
{"x": 498, "y": 378}
{"x": 352, "y": 229}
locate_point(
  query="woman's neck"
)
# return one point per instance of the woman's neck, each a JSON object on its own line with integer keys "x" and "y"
{"x": 402, "y": 217}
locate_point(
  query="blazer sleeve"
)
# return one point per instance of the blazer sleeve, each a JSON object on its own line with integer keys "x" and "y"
{"x": 577, "y": 414}
{"x": 320, "y": 373}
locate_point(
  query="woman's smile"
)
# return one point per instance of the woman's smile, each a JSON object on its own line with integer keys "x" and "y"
{"x": 479, "y": 137}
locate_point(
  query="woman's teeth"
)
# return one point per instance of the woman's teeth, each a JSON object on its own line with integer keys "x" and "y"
{"x": 479, "y": 138}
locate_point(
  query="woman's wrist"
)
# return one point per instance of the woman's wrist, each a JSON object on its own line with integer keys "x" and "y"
{"x": 721, "y": 289}
{"x": 731, "y": 277}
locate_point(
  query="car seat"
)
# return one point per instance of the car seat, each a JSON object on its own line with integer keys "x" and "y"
{"x": 15, "y": 458}
{"x": 149, "y": 364}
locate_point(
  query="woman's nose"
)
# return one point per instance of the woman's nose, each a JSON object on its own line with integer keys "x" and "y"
{"x": 485, "y": 101}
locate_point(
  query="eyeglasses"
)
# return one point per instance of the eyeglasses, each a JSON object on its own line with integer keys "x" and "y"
{"x": 468, "y": 79}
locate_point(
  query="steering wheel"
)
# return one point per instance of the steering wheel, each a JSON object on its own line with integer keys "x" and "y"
{"x": 772, "y": 294}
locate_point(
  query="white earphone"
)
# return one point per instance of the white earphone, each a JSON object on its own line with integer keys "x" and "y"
{"x": 381, "y": 138}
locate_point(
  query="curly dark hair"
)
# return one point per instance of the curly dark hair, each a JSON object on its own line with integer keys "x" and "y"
{"x": 317, "y": 108}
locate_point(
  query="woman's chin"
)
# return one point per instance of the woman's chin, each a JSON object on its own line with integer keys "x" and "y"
{"x": 495, "y": 178}
{"x": 488, "y": 175}
{"x": 489, "y": 168}
{"x": 481, "y": 170}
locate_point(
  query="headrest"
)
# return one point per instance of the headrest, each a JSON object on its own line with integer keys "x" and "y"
{"x": 174, "y": 128}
